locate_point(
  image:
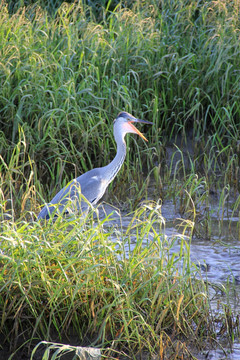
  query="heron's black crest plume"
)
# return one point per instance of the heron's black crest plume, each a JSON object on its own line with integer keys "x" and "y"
{"x": 124, "y": 114}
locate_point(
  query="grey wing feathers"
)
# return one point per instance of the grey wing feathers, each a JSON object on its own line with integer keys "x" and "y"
{"x": 90, "y": 185}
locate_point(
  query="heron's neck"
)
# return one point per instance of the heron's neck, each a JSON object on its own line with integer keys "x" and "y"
{"x": 113, "y": 168}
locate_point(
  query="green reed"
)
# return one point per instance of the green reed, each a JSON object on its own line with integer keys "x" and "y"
{"x": 66, "y": 76}
{"x": 117, "y": 287}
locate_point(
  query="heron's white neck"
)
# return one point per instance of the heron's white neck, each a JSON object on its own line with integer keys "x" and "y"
{"x": 113, "y": 168}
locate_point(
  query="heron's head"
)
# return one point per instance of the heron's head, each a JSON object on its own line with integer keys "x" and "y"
{"x": 124, "y": 124}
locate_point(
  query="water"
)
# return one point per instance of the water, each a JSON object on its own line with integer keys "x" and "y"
{"x": 218, "y": 260}
{"x": 218, "y": 354}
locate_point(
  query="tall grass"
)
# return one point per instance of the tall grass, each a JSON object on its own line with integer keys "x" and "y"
{"x": 65, "y": 73}
{"x": 78, "y": 277}
{"x": 64, "y": 77}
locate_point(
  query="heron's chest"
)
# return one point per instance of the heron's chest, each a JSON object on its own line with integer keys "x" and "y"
{"x": 99, "y": 183}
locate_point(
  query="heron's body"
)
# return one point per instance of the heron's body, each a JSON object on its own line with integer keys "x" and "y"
{"x": 93, "y": 184}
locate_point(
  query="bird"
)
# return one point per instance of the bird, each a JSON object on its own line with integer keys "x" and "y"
{"x": 88, "y": 188}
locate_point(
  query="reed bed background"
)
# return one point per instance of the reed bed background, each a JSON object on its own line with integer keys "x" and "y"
{"x": 65, "y": 77}
{"x": 66, "y": 70}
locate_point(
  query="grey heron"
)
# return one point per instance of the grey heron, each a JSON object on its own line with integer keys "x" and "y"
{"x": 91, "y": 186}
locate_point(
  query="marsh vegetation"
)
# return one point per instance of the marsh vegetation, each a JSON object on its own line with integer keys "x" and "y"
{"x": 66, "y": 71}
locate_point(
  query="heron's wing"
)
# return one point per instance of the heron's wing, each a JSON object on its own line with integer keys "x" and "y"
{"x": 93, "y": 185}
{"x": 69, "y": 194}
{"x": 89, "y": 186}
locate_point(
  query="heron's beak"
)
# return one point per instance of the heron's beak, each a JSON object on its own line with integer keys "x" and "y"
{"x": 136, "y": 130}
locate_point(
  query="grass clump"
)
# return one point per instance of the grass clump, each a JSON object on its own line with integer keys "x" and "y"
{"x": 71, "y": 278}
{"x": 67, "y": 75}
